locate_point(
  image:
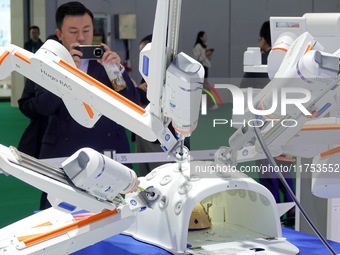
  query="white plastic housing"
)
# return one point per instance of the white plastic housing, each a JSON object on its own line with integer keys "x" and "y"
{"x": 243, "y": 212}
{"x": 99, "y": 175}
{"x": 184, "y": 83}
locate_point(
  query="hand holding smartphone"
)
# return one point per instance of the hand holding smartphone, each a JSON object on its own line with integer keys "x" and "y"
{"x": 91, "y": 51}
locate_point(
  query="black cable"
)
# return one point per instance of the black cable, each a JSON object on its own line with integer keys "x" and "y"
{"x": 291, "y": 193}
{"x": 127, "y": 49}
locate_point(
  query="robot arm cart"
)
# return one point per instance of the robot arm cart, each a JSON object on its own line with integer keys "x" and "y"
{"x": 88, "y": 181}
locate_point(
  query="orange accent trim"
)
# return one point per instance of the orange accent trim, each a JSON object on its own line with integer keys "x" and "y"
{"x": 314, "y": 113}
{"x": 279, "y": 48}
{"x": 24, "y": 238}
{"x": 309, "y": 47}
{"x": 47, "y": 223}
{"x": 34, "y": 239}
{"x": 330, "y": 152}
{"x": 315, "y": 127}
{"x": 286, "y": 159}
{"x": 181, "y": 131}
{"x": 102, "y": 87}
{"x": 22, "y": 57}
{"x": 88, "y": 110}
{"x": 4, "y": 56}
{"x": 134, "y": 185}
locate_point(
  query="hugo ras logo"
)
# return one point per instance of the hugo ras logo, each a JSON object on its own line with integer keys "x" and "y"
{"x": 239, "y": 98}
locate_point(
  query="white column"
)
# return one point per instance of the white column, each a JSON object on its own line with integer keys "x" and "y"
{"x": 38, "y": 16}
{"x": 17, "y": 38}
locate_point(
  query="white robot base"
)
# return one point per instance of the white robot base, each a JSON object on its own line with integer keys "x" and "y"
{"x": 243, "y": 213}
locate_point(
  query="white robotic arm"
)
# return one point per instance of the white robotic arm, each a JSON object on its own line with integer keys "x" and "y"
{"x": 175, "y": 80}
{"x": 307, "y": 82}
{"x": 89, "y": 181}
{"x": 85, "y": 98}
{"x": 311, "y": 76}
{"x": 318, "y": 135}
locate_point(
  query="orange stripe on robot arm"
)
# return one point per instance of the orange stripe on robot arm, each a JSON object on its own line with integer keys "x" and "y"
{"x": 88, "y": 110}
{"x": 34, "y": 239}
{"x": 22, "y": 57}
{"x": 313, "y": 115}
{"x": 4, "y": 56}
{"x": 182, "y": 131}
{"x": 330, "y": 152}
{"x": 48, "y": 223}
{"x": 285, "y": 158}
{"x": 279, "y": 48}
{"x": 102, "y": 87}
{"x": 320, "y": 127}
{"x": 309, "y": 47}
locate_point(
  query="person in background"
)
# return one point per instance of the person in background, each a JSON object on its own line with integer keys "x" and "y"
{"x": 260, "y": 80}
{"x": 265, "y": 41}
{"x": 63, "y": 135}
{"x": 34, "y": 43}
{"x": 270, "y": 179}
{"x": 30, "y": 141}
{"x": 201, "y": 53}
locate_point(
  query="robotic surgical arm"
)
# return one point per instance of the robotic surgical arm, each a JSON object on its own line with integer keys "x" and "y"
{"x": 304, "y": 89}
{"x": 87, "y": 99}
{"x": 318, "y": 137}
{"x": 87, "y": 181}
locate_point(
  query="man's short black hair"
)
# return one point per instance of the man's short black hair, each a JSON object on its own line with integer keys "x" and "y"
{"x": 265, "y": 32}
{"x": 34, "y": 27}
{"x": 70, "y": 9}
{"x": 146, "y": 39}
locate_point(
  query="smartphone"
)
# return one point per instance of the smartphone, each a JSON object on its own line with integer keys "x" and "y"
{"x": 91, "y": 51}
